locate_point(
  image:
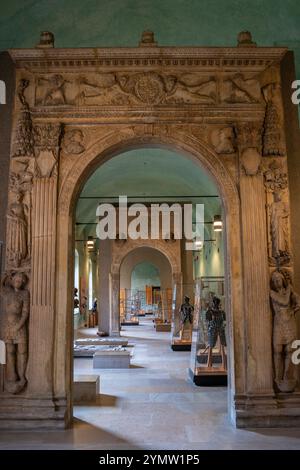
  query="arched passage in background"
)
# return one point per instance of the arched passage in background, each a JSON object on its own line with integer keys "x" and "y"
{"x": 145, "y": 255}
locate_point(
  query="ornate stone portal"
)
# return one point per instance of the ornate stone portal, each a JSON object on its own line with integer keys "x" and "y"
{"x": 74, "y": 109}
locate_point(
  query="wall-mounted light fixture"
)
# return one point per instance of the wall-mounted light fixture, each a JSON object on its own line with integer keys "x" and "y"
{"x": 90, "y": 243}
{"x": 218, "y": 224}
{"x": 198, "y": 244}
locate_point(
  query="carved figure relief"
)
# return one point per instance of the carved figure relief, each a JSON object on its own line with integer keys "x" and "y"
{"x": 277, "y": 214}
{"x": 102, "y": 89}
{"x": 272, "y": 137}
{"x": 17, "y": 231}
{"x": 285, "y": 303}
{"x": 23, "y": 84}
{"x": 189, "y": 89}
{"x": 19, "y": 212}
{"x": 23, "y": 145}
{"x": 113, "y": 88}
{"x": 120, "y": 89}
{"x": 73, "y": 142}
{"x": 16, "y": 307}
{"x": 223, "y": 140}
{"x": 51, "y": 91}
{"x": 238, "y": 89}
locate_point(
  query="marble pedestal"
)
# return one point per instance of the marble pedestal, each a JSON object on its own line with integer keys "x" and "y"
{"x": 85, "y": 389}
{"x": 111, "y": 359}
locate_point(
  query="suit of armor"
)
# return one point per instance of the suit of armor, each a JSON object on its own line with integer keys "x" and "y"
{"x": 215, "y": 318}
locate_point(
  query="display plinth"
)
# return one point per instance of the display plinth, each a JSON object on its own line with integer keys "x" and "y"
{"x": 111, "y": 359}
{"x": 180, "y": 345}
{"x": 163, "y": 327}
{"x": 205, "y": 377}
{"x": 85, "y": 389}
{"x": 134, "y": 321}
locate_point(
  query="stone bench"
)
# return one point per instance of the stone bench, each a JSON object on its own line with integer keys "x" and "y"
{"x": 85, "y": 389}
{"x": 111, "y": 359}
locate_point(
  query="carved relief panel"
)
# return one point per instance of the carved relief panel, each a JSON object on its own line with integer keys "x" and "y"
{"x": 147, "y": 87}
{"x": 277, "y": 203}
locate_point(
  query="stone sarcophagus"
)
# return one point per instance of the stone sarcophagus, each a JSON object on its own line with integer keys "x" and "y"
{"x": 76, "y": 108}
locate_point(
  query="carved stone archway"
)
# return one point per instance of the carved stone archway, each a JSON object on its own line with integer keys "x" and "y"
{"x": 75, "y": 109}
{"x": 163, "y": 136}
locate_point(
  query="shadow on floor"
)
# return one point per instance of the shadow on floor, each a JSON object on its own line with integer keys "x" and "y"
{"x": 107, "y": 400}
{"x": 89, "y": 436}
{"x": 283, "y": 432}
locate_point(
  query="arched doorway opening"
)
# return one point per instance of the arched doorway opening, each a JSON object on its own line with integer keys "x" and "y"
{"x": 201, "y": 154}
{"x": 120, "y": 254}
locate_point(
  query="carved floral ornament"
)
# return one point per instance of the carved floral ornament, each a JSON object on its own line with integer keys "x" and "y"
{"x": 47, "y": 136}
{"x": 275, "y": 177}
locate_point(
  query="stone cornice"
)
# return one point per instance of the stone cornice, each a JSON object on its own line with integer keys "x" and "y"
{"x": 229, "y": 58}
{"x": 149, "y": 114}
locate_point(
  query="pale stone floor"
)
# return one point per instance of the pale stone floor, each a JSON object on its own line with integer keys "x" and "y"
{"x": 152, "y": 405}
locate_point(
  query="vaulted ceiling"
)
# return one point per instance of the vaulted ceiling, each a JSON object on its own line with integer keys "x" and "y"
{"x": 147, "y": 175}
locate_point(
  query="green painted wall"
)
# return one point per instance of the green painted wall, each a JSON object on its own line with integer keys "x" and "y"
{"x": 144, "y": 274}
{"x": 120, "y": 22}
{"x": 209, "y": 261}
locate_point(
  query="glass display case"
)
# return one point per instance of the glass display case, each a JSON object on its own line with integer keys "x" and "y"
{"x": 182, "y": 317}
{"x": 163, "y": 312}
{"x": 208, "y": 354}
{"x": 129, "y": 308}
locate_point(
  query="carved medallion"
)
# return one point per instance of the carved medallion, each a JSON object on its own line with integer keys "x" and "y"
{"x": 149, "y": 88}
